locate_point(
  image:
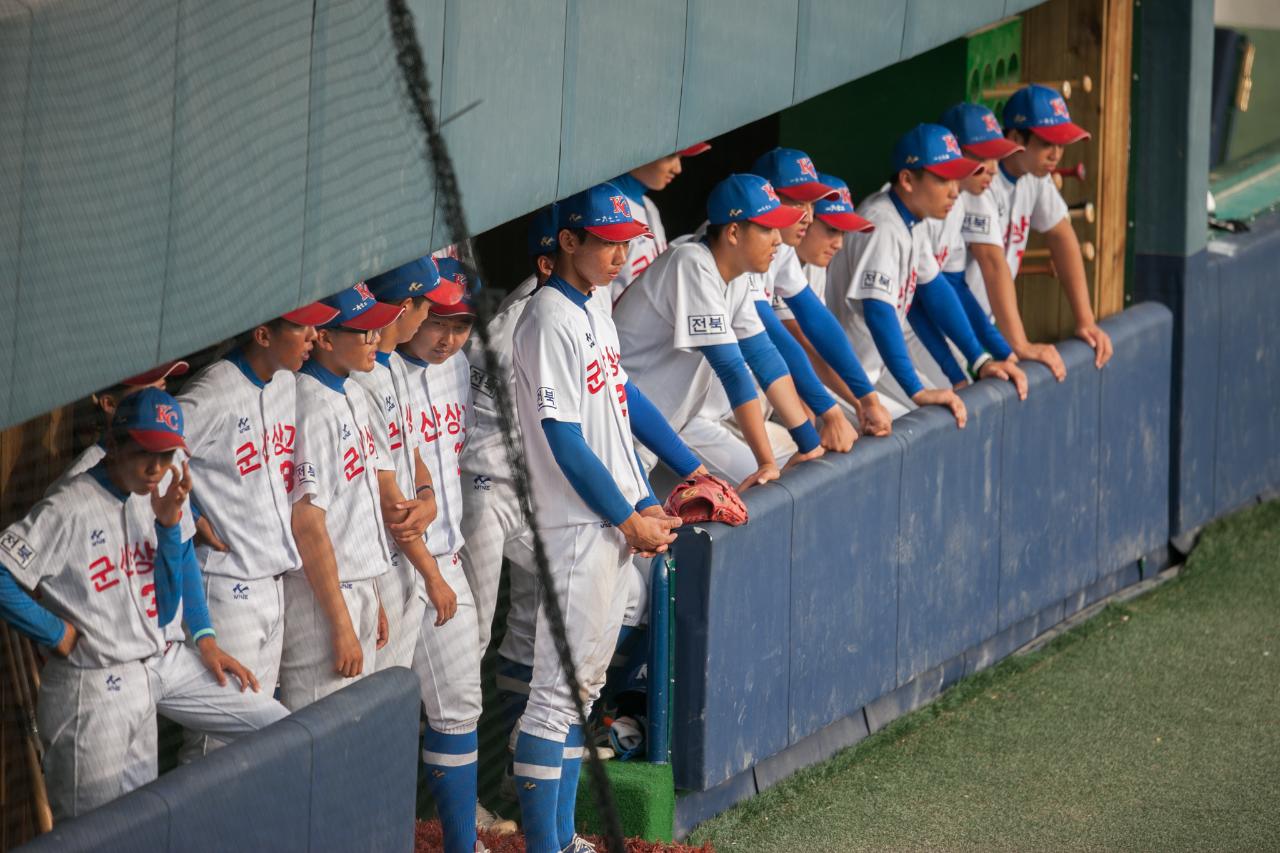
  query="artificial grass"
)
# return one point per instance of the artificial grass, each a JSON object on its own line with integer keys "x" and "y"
{"x": 644, "y": 794}
{"x": 1154, "y": 726}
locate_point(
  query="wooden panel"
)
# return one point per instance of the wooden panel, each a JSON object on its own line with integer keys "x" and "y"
{"x": 739, "y": 64}
{"x": 1064, "y": 40}
{"x": 623, "y": 64}
{"x": 838, "y": 40}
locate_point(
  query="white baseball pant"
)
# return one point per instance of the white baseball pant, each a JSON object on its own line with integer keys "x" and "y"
{"x": 403, "y": 593}
{"x": 306, "y": 662}
{"x": 99, "y": 725}
{"x": 589, "y": 563}
{"x": 447, "y": 659}
{"x": 249, "y": 618}
{"x": 723, "y": 451}
{"x": 492, "y": 528}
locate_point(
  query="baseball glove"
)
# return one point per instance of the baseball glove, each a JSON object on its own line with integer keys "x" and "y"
{"x": 704, "y": 497}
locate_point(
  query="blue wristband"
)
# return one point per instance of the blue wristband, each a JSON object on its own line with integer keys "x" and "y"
{"x": 805, "y": 437}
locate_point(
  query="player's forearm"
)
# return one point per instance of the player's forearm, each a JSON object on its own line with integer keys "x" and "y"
{"x": 319, "y": 564}
{"x": 825, "y": 372}
{"x": 195, "y": 607}
{"x": 750, "y": 418}
{"x": 421, "y": 473}
{"x": 791, "y": 412}
{"x": 1000, "y": 292}
{"x": 389, "y": 495}
{"x": 26, "y": 614}
{"x": 1064, "y": 250}
{"x": 167, "y": 575}
{"x": 829, "y": 340}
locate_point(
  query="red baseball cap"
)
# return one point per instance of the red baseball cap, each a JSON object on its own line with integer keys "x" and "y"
{"x": 694, "y": 150}
{"x": 315, "y": 314}
{"x": 155, "y": 374}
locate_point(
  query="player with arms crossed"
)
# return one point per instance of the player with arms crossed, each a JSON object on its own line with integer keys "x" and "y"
{"x": 592, "y": 501}
{"x": 1022, "y": 197}
{"x": 695, "y": 319}
{"x": 240, "y": 434}
{"x": 105, "y": 555}
{"x": 333, "y": 620}
{"x": 875, "y": 278}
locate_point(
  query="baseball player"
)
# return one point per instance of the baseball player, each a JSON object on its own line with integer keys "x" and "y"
{"x": 240, "y": 434}
{"x": 1021, "y": 197}
{"x": 693, "y": 320}
{"x": 415, "y": 287}
{"x": 447, "y": 656}
{"x": 651, "y": 177}
{"x": 105, "y": 556}
{"x": 333, "y": 620}
{"x": 798, "y": 184}
{"x": 876, "y": 276}
{"x": 592, "y": 503}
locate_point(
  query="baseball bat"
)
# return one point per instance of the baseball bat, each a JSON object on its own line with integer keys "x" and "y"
{"x": 1077, "y": 171}
{"x": 1039, "y": 269}
{"x": 21, "y": 685}
{"x": 1083, "y": 211}
{"x": 1067, "y": 87}
{"x": 1086, "y": 249}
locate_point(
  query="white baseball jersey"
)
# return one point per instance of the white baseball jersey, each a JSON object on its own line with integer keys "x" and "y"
{"x": 90, "y": 550}
{"x": 485, "y": 454}
{"x": 684, "y": 304}
{"x": 95, "y": 453}
{"x": 242, "y": 438}
{"x": 569, "y": 368}
{"x": 947, "y": 238}
{"x": 386, "y": 389}
{"x": 440, "y": 396}
{"x": 886, "y": 265}
{"x": 1021, "y": 205}
{"x": 337, "y": 466}
{"x": 816, "y": 277}
{"x": 641, "y": 252}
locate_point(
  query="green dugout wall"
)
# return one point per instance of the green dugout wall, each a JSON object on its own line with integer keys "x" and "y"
{"x": 173, "y": 172}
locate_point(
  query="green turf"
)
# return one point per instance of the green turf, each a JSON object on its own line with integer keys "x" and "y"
{"x": 1154, "y": 726}
{"x": 645, "y": 796}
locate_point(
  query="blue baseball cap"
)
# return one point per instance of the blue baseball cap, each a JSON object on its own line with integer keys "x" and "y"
{"x": 1042, "y": 111}
{"x": 838, "y": 212}
{"x": 359, "y": 310}
{"x": 792, "y": 174}
{"x": 468, "y": 285}
{"x": 419, "y": 277}
{"x": 543, "y": 231}
{"x": 978, "y": 132}
{"x": 152, "y": 418}
{"x": 933, "y": 148}
{"x": 604, "y": 211}
{"x": 749, "y": 198}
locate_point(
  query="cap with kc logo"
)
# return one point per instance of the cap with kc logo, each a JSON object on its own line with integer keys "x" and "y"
{"x": 932, "y": 147}
{"x": 978, "y": 132}
{"x": 749, "y": 198}
{"x": 419, "y": 277}
{"x": 152, "y": 418}
{"x": 1042, "y": 111}
{"x": 792, "y": 174}
{"x": 359, "y": 310}
{"x": 838, "y": 212}
{"x": 456, "y": 275}
{"x": 603, "y": 211}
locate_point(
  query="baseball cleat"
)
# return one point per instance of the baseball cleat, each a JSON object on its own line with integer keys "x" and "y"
{"x": 495, "y": 823}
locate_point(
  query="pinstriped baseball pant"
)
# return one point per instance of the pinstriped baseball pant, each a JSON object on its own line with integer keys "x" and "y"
{"x": 492, "y": 528}
{"x": 447, "y": 658}
{"x": 307, "y": 673}
{"x": 403, "y": 594}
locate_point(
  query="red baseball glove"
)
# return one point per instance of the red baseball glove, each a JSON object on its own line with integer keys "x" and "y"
{"x": 705, "y": 497}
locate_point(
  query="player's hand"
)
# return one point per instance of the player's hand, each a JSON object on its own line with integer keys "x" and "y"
{"x": 961, "y": 385}
{"x": 420, "y": 512}
{"x": 1099, "y": 340}
{"x": 206, "y": 535}
{"x": 649, "y": 535}
{"x": 222, "y": 664}
{"x": 835, "y": 431}
{"x": 442, "y": 598}
{"x": 168, "y": 507}
{"x": 384, "y": 628}
{"x": 943, "y": 397}
{"x": 1046, "y": 354}
{"x": 348, "y": 657}
{"x": 68, "y": 642}
{"x": 797, "y": 458}
{"x": 1017, "y": 376}
{"x": 764, "y": 474}
{"x": 874, "y": 417}
{"x": 657, "y": 512}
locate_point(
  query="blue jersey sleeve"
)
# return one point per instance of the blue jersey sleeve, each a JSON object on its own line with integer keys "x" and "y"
{"x": 935, "y": 343}
{"x": 585, "y": 472}
{"x": 988, "y": 335}
{"x": 940, "y": 302}
{"x": 652, "y": 430}
{"x": 726, "y": 360}
{"x": 882, "y": 322}
{"x": 169, "y": 570}
{"x": 763, "y": 359}
{"x": 823, "y": 331}
{"x": 195, "y": 607}
{"x": 26, "y": 614}
{"x": 808, "y": 385}
{"x": 650, "y": 499}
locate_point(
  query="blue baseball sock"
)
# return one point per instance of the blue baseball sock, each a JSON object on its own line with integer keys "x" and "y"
{"x": 567, "y": 802}
{"x": 537, "y": 772}
{"x": 451, "y": 777}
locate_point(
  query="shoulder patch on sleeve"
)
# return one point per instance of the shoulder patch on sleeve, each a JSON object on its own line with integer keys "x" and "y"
{"x": 16, "y": 549}
{"x": 873, "y": 280}
{"x": 706, "y": 324}
{"x": 976, "y": 223}
{"x": 304, "y": 473}
{"x": 546, "y": 398}
{"x": 482, "y": 382}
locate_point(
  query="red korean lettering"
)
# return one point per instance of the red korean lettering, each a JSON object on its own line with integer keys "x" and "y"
{"x": 614, "y": 359}
{"x": 595, "y": 377}
{"x": 351, "y": 465}
{"x": 286, "y": 471}
{"x": 622, "y": 397}
{"x": 246, "y": 459}
{"x": 453, "y": 418}
{"x": 428, "y": 422}
{"x": 282, "y": 436}
{"x": 148, "y": 595}
{"x": 100, "y": 572}
{"x": 395, "y": 435}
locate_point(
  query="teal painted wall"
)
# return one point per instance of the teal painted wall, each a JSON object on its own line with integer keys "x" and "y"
{"x": 173, "y": 172}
